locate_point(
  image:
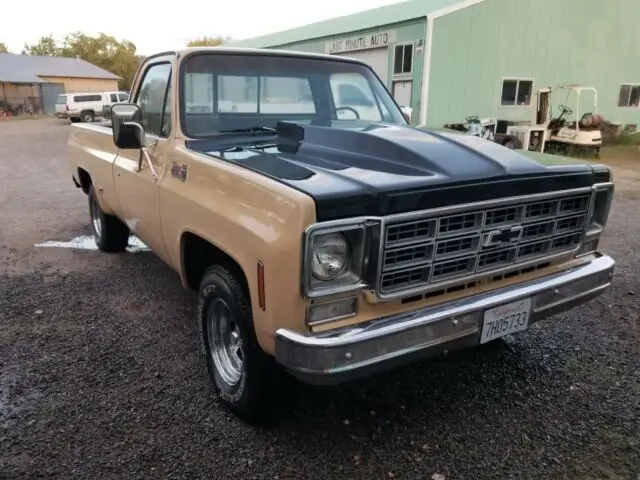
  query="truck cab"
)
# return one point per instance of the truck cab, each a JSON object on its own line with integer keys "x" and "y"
{"x": 329, "y": 240}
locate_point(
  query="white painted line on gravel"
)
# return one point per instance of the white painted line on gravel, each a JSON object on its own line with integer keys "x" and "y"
{"x": 86, "y": 242}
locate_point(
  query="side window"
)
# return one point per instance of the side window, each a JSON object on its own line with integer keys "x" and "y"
{"x": 114, "y": 97}
{"x": 352, "y": 94}
{"x": 153, "y": 99}
{"x": 123, "y": 97}
{"x": 87, "y": 98}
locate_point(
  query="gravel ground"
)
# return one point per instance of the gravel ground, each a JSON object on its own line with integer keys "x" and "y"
{"x": 100, "y": 376}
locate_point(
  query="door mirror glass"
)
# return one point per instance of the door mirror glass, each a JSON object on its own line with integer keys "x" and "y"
{"x": 125, "y": 122}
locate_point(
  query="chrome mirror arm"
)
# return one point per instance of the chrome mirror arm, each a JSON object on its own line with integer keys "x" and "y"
{"x": 144, "y": 149}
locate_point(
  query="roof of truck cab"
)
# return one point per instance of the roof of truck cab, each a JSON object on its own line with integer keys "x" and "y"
{"x": 258, "y": 51}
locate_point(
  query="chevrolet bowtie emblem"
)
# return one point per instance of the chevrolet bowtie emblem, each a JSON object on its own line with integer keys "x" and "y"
{"x": 503, "y": 236}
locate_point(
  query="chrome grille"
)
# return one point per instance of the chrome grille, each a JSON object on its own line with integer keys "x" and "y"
{"x": 436, "y": 249}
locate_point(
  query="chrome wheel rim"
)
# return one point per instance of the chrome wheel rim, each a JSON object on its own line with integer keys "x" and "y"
{"x": 95, "y": 217}
{"x": 225, "y": 342}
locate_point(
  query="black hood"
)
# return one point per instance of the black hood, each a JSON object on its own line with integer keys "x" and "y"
{"x": 382, "y": 169}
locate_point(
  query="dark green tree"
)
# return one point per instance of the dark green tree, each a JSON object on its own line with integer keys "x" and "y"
{"x": 104, "y": 51}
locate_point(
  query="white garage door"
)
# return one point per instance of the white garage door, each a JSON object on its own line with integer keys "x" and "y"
{"x": 376, "y": 58}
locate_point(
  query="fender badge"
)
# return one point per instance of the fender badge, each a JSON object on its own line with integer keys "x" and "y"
{"x": 179, "y": 171}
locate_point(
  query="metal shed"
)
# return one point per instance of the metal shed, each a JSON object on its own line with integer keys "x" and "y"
{"x": 31, "y": 84}
{"x": 449, "y": 59}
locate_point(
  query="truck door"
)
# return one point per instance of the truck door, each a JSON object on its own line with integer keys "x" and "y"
{"x": 137, "y": 189}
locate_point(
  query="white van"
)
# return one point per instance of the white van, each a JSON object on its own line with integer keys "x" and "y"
{"x": 86, "y": 106}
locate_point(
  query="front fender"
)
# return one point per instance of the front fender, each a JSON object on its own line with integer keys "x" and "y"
{"x": 251, "y": 218}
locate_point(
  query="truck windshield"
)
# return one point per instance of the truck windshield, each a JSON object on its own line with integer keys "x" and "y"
{"x": 233, "y": 92}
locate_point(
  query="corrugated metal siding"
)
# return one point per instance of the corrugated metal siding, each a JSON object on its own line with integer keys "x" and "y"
{"x": 570, "y": 41}
{"x": 85, "y": 84}
{"x": 394, "y": 13}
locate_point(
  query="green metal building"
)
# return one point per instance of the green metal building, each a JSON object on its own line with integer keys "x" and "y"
{"x": 448, "y": 59}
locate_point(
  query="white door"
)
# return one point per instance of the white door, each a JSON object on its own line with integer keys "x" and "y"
{"x": 402, "y": 92}
{"x": 376, "y": 58}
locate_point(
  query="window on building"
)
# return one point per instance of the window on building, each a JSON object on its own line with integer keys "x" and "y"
{"x": 629, "y": 96}
{"x": 516, "y": 92}
{"x": 403, "y": 59}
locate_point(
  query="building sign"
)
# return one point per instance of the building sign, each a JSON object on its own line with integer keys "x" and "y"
{"x": 361, "y": 42}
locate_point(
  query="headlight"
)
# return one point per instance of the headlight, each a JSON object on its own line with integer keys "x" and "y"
{"x": 597, "y": 219}
{"x": 335, "y": 257}
{"x": 600, "y": 209}
{"x": 330, "y": 256}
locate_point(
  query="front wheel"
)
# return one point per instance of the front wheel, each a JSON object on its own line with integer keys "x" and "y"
{"x": 243, "y": 375}
{"x": 109, "y": 233}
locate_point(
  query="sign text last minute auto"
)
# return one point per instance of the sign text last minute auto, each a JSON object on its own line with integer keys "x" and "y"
{"x": 362, "y": 42}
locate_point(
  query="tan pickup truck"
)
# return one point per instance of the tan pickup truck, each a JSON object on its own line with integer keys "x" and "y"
{"x": 327, "y": 238}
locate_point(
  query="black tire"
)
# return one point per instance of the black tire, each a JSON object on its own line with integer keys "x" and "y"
{"x": 512, "y": 143}
{"x": 109, "y": 233}
{"x": 251, "y": 397}
{"x": 87, "y": 117}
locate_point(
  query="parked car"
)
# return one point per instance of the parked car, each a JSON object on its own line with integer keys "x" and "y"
{"x": 86, "y": 106}
{"x": 123, "y": 97}
{"x": 326, "y": 247}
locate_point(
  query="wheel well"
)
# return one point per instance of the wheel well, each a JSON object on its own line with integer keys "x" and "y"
{"x": 85, "y": 180}
{"x": 199, "y": 254}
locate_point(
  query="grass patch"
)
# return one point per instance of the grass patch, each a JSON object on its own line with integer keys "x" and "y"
{"x": 628, "y": 139}
{"x": 620, "y": 153}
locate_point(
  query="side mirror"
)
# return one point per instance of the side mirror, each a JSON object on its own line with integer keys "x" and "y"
{"x": 128, "y": 133}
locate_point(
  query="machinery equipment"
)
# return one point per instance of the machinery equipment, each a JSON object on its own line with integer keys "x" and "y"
{"x": 485, "y": 127}
{"x": 568, "y": 133}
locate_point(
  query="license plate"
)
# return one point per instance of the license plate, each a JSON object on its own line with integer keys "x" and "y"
{"x": 505, "y": 319}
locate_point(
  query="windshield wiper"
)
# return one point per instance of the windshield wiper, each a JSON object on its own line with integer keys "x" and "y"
{"x": 251, "y": 130}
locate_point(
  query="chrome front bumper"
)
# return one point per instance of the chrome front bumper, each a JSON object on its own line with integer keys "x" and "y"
{"x": 363, "y": 349}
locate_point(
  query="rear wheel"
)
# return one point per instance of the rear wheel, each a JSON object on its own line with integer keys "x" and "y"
{"x": 109, "y": 233}
{"x": 243, "y": 375}
{"x": 87, "y": 117}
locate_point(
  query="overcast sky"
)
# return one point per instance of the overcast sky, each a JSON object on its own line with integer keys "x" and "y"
{"x": 161, "y": 25}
